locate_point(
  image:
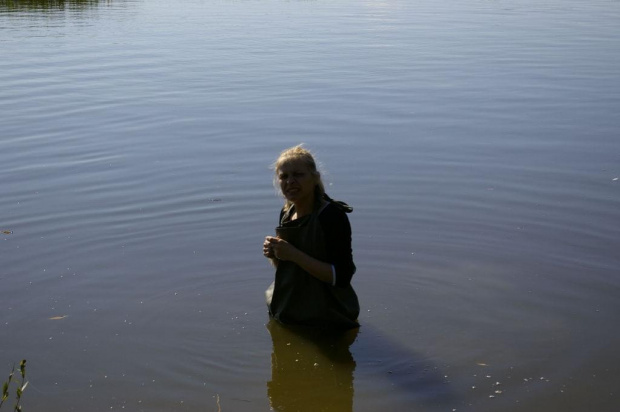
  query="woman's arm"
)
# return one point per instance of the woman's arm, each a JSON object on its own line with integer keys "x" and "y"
{"x": 337, "y": 230}
{"x": 283, "y": 250}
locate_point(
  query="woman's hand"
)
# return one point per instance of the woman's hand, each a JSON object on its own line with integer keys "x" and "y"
{"x": 279, "y": 248}
{"x": 267, "y": 249}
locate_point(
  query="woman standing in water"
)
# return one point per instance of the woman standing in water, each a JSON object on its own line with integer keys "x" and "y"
{"x": 311, "y": 250}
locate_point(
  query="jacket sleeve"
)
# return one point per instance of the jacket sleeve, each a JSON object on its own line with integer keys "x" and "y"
{"x": 337, "y": 230}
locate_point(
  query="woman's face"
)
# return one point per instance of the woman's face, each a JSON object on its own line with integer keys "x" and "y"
{"x": 296, "y": 181}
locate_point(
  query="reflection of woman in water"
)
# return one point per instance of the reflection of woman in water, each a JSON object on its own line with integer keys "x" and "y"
{"x": 311, "y": 369}
{"x": 311, "y": 250}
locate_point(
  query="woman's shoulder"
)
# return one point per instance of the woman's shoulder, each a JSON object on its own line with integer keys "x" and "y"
{"x": 336, "y": 226}
{"x": 331, "y": 213}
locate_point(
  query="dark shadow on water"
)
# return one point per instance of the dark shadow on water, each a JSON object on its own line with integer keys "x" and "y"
{"x": 45, "y": 5}
{"x": 403, "y": 378}
{"x": 314, "y": 370}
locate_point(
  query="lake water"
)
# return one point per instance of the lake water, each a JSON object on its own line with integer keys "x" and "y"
{"x": 477, "y": 140}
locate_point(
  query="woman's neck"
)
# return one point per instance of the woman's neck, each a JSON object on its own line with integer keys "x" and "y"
{"x": 304, "y": 208}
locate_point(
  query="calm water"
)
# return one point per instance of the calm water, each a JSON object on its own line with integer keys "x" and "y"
{"x": 478, "y": 142}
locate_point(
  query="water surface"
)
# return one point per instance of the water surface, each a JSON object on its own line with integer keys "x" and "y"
{"x": 477, "y": 141}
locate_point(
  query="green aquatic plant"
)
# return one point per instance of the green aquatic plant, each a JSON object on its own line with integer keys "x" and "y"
{"x": 21, "y": 386}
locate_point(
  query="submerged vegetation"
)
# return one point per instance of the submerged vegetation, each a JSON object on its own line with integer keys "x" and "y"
{"x": 21, "y": 386}
{"x": 46, "y": 4}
